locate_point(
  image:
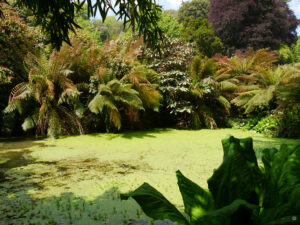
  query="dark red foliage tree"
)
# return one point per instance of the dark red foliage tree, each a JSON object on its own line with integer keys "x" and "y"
{"x": 253, "y": 23}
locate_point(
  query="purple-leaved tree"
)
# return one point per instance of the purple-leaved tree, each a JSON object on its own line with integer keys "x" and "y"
{"x": 253, "y": 23}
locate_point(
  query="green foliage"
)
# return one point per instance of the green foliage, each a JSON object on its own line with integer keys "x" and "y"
{"x": 169, "y": 25}
{"x": 52, "y": 96}
{"x": 172, "y": 12}
{"x": 239, "y": 191}
{"x": 87, "y": 26}
{"x": 139, "y": 77}
{"x": 289, "y": 122}
{"x": 244, "y": 64}
{"x": 289, "y": 88}
{"x": 175, "y": 87}
{"x": 202, "y": 68}
{"x": 112, "y": 96}
{"x": 82, "y": 57}
{"x": 207, "y": 92}
{"x": 253, "y": 77}
{"x": 98, "y": 30}
{"x": 193, "y": 9}
{"x": 259, "y": 90}
{"x": 16, "y": 40}
{"x": 268, "y": 125}
{"x": 175, "y": 55}
{"x": 288, "y": 54}
{"x": 155, "y": 205}
{"x": 115, "y": 27}
{"x": 57, "y": 20}
{"x": 238, "y": 169}
{"x": 5, "y": 75}
{"x": 281, "y": 187}
{"x": 200, "y": 31}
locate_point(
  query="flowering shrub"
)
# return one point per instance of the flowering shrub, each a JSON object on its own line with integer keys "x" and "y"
{"x": 175, "y": 55}
{"x": 5, "y": 75}
{"x": 16, "y": 40}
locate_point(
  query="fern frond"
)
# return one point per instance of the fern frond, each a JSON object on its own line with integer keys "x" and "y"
{"x": 54, "y": 124}
{"x": 115, "y": 118}
{"x": 16, "y": 91}
{"x": 28, "y": 124}
{"x": 225, "y": 103}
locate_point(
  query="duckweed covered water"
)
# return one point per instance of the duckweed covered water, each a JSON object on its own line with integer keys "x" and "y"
{"x": 78, "y": 179}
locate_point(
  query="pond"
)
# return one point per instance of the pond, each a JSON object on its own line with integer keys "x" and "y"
{"x": 78, "y": 179}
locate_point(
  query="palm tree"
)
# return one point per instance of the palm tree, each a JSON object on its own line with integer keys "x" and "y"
{"x": 53, "y": 96}
{"x": 113, "y": 96}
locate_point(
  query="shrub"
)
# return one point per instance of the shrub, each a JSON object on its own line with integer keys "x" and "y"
{"x": 17, "y": 39}
{"x": 288, "y": 54}
{"x": 289, "y": 123}
{"x": 175, "y": 88}
{"x": 175, "y": 55}
{"x": 198, "y": 30}
{"x": 268, "y": 125}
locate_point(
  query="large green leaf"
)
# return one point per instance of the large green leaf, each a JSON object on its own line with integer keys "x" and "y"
{"x": 281, "y": 190}
{"x": 154, "y": 204}
{"x": 197, "y": 201}
{"x": 239, "y": 212}
{"x": 238, "y": 177}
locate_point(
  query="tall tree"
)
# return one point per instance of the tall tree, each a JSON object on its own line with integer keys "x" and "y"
{"x": 58, "y": 18}
{"x": 194, "y": 8}
{"x": 252, "y": 23}
{"x": 200, "y": 31}
{"x": 169, "y": 25}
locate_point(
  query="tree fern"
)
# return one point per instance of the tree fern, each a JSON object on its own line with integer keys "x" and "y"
{"x": 260, "y": 88}
{"x": 208, "y": 92}
{"x": 289, "y": 88}
{"x": 148, "y": 94}
{"x": 113, "y": 95}
{"x": 48, "y": 87}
